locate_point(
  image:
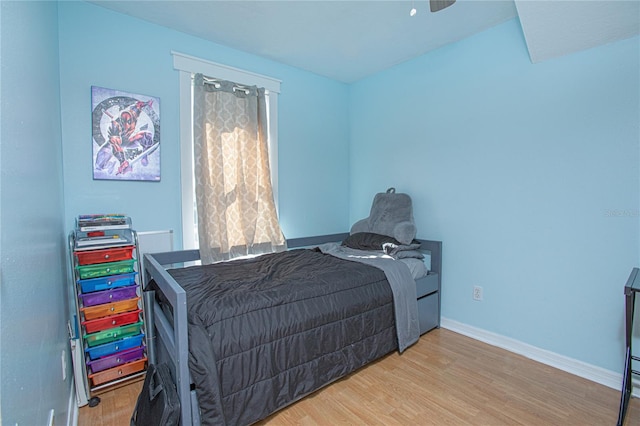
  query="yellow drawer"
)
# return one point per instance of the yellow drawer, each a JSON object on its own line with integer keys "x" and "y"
{"x": 100, "y": 311}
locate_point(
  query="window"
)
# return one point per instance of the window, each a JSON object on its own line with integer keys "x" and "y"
{"x": 188, "y": 66}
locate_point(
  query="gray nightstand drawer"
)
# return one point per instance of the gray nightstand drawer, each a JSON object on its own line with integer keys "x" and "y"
{"x": 428, "y": 312}
{"x": 427, "y": 285}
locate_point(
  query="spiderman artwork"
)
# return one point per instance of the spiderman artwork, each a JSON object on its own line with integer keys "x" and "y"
{"x": 126, "y": 139}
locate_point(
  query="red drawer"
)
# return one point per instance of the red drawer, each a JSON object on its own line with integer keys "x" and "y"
{"x": 117, "y": 372}
{"x": 111, "y": 321}
{"x": 104, "y": 256}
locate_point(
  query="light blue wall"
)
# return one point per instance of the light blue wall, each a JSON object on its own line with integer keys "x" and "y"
{"x": 102, "y": 48}
{"x": 33, "y": 296}
{"x": 527, "y": 172}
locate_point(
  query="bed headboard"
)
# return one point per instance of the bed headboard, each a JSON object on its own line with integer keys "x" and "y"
{"x": 435, "y": 250}
{"x": 433, "y": 247}
{"x": 317, "y": 240}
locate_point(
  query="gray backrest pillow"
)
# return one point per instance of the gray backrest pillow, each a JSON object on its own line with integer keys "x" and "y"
{"x": 392, "y": 215}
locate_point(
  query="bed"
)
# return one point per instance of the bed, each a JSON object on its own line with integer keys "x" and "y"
{"x": 241, "y": 348}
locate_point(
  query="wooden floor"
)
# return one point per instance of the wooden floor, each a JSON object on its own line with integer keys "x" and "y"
{"x": 445, "y": 379}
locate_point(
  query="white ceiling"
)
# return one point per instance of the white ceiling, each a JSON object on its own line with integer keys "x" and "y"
{"x": 349, "y": 40}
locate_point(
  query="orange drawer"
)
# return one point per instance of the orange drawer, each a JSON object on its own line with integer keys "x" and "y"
{"x": 103, "y": 256}
{"x": 112, "y": 321}
{"x": 113, "y": 308}
{"x": 117, "y": 372}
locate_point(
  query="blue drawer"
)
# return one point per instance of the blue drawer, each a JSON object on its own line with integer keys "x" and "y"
{"x": 113, "y": 347}
{"x": 105, "y": 283}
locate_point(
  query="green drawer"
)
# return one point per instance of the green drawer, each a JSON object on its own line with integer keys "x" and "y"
{"x": 103, "y": 269}
{"x": 112, "y": 334}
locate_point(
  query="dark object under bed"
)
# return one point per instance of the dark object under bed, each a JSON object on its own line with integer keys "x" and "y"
{"x": 265, "y": 332}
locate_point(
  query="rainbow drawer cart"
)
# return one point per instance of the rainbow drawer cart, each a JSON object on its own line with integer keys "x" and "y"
{"x": 108, "y": 329}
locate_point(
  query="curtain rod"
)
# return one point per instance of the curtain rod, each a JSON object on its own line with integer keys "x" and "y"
{"x": 216, "y": 83}
{"x": 192, "y": 64}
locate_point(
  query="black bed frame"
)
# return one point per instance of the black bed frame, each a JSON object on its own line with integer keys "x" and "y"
{"x": 167, "y": 335}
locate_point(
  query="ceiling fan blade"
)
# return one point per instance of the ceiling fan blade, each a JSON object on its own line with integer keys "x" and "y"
{"x": 436, "y": 5}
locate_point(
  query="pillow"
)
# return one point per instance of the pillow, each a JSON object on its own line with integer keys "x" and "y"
{"x": 391, "y": 214}
{"x": 417, "y": 267}
{"x": 409, "y": 254}
{"x": 368, "y": 241}
{"x": 394, "y": 250}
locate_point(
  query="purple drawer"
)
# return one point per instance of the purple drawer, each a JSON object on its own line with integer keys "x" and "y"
{"x": 116, "y": 359}
{"x": 107, "y": 296}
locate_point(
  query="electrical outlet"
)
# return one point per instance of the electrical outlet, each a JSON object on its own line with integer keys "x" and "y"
{"x": 477, "y": 293}
{"x": 63, "y": 357}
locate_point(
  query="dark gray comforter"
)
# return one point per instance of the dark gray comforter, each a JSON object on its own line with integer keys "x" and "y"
{"x": 403, "y": 288}
{"x": 266, "y": 332}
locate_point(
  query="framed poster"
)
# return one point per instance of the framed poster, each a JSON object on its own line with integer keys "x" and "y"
{"x": 126, "y": 135}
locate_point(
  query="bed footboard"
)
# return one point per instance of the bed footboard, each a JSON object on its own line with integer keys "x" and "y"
{"x": 167, "y": 335}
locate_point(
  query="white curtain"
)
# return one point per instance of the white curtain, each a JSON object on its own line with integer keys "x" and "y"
{"x": 234, "y": 197}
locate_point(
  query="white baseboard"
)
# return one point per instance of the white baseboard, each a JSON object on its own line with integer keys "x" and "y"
{"x": 579, "y": 368}
{"x": 72, "y": 409}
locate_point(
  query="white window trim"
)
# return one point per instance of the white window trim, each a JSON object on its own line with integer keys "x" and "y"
{"x": 187, "y": 66}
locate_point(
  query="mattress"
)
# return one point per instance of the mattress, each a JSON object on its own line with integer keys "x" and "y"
{"x": 268, "y": 331}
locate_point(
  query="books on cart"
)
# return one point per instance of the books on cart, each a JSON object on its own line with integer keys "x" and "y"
{"x": 102, "y": 240}
{"x": 102, "y": 222}
{"x": 96, "y": 231}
